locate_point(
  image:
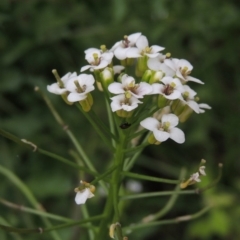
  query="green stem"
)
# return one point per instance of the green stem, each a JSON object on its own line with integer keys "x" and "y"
{"x": 33, "y": 211}
{"x": 113, "y": 197}
{"x": 28, "y": 194}
{"x": 170, "y": 202}
{"x": 150, "y": 178}
{"x": 97, "y": 128}
{"x": 168, "y": 221}
{"x": 155, "y": 194}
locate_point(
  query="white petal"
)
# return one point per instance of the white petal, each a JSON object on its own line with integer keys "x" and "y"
{"x": 193, "y": 105}
{"x": 157, "y": 88}
{"x": 85, "y": 68}
{"x": 121, "y": 53}
{"x": 142, "y": 42}
{"x": 134, "y": 37}
{"x": 133, "y": 53}
{"x": 150, "y": 123}
{"x": 174, "y": 95}
{"x": 153, "y": 64}
{"x": 54, "y": 88}
{"x": 156, "y": 48}
{"x": 117, "y": 69}
{"x": 75, "y": 97}
{"x": 177, "y": 135}
{"x": 171, "y": 118}
{"x": 193, "y": 79}
{"x": 116, "y": 88}
{"x": 161, "y": 136}
{"x": 81, "y": 197}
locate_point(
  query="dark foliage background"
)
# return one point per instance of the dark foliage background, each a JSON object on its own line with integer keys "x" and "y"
{"x": 37, "y": 36}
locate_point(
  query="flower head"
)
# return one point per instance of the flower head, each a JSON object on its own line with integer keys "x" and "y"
{"x": 144, "y": 49}
{"x": 165, "y": 128}
{"x": 97, "y": 59}
{"x": 171, "y": 89}
{"x": 79, "y": 87}
{"x": 121, "y": 102}
{"x": 128, "y": 85}
{"x": 84, "y": 191}
{"x": 182, "y": 69}
{"x": 127, "y": 47}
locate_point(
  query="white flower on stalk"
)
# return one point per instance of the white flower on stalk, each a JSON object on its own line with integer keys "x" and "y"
{"x": 144, "y": 49}
{"x": 127, "y": 47}
{"x": 182, "y": 69}
{"x": 202, "y": 107}
{"x": 129, "y": 86}
{"x": 84, "y": 191}
{"x": 121, "y": 102}
{"x": 165, "y": 128}
{"x": 60, "y": 87}
{"x": 194, "y": 178}
{"x": 171, "y": 89}
{"x": 97, "y": 59}
{"x": 158, "y": 64}
{"x": 79, "y": 87}
{"x": 188, "y": 97}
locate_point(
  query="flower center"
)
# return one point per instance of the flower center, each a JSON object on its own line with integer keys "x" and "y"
{"x": 79, "y": 88}
{"x": 126, "y": 42}
{"x": 169, "y": 88}
{"x": 184, "y": 71}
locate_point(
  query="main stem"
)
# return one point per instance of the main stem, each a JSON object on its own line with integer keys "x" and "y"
{"x": 111, "y": 212}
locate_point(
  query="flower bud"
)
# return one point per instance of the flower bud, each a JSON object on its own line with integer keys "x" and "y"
{"x": 162, "y": 101}
{"x": 107, "y": 77}
{"x": 141, "y": 66}
{"x": 187, "y": 112}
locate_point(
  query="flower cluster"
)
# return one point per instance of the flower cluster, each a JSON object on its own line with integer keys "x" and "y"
{"x": 160, "y": 82}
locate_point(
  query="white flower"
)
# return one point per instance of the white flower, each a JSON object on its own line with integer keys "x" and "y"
{"x": 56, "y": 88}
{"x": 97, "y": 59}
{"x": 126, "y": 48}
{"x": 171, "y": 89}
{"x": 202, "y": 170}
{"x": 195, "y": 178}
{"x": 158, "y": 64}
{"x": 144, "y": 49}
{"x": 121, "y": 102}
{"x": 128, "y": 85}
{"x": 182, "y": 69}
{"x": 79, "y": 87}
{"x": 202, "y": 107}
{"x": 188, "y": 97}
{"x": 83, "y": 195}
{"x": 165, "y": 128}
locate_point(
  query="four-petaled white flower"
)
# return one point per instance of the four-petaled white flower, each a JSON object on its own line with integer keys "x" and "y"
{"x": 195, "y": 178}
{"x": 127, "y": 47}
{"x": 188, "y": 97}
{"x": 79, "y": 87}
{"x": 171, "y": 89}
{"x": 182, "y": 69}
{"x": 165, "y": 128}
{"x": 121, "y": 102}
{"x": 144, "y": 49}
{"x": 60, "y": 88}
{"x": 97, "y": 59}
{"x": 128, "y": 85}
{"x": 83, "y": 195}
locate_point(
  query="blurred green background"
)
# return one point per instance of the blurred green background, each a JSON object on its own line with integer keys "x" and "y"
{"x": 37, "y": 36}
